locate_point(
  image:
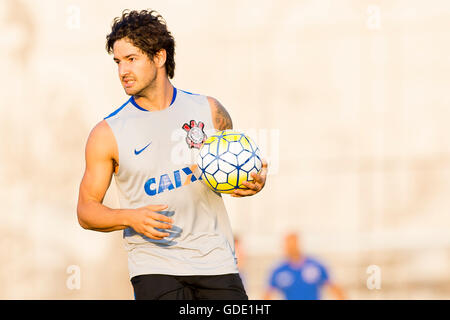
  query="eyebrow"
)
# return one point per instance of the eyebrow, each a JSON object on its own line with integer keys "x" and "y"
{"x": 126, "y": 57}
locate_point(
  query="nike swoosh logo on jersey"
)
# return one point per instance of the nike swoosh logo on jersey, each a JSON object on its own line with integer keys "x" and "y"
{"x": 136, "y": 152}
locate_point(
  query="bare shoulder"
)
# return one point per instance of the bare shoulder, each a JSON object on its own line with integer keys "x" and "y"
{"x": 221, "y": 117}
{"x": 101, "y": 133}
{"x": 101, "y": 142}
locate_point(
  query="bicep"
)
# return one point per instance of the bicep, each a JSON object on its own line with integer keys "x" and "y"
{"x": 220, "y": 116}
{"x": 99, "y": 164}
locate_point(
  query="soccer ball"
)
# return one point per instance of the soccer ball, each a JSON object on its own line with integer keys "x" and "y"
{"x": 227, "y": 159}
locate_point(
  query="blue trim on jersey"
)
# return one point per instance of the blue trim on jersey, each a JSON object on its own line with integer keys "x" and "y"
{"x": 136, "y": 105}
{"x": 194, "y": 94}
{"x": 174, "y": 95}
{"x": 117, "y": 110}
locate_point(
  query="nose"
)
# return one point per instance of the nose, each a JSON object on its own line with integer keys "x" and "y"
{"x": 123, "y": 70}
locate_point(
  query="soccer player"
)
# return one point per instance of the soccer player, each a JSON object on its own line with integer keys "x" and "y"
{"x": 176, "y": 230}
{"x": 300, "y": 277}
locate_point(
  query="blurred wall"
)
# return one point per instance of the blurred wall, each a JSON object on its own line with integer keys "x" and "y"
{"x": 348, "y": 100}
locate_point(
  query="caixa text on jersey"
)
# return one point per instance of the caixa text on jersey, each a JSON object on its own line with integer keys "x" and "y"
{"x": 155, "y": 186}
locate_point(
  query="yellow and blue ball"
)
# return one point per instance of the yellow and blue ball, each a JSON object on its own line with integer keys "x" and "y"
{"x": 227, "y": 159}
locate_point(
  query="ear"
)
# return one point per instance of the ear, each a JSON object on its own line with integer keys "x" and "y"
{"x": 160, "y": 58}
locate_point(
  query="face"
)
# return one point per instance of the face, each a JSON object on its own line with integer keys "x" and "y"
{"x": 136, "y": 71}
{"x": 291, "y": 246}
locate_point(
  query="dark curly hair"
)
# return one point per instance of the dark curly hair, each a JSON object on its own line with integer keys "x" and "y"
{"x": 146, "y": 30}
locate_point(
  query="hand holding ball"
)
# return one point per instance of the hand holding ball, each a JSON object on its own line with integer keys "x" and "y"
{"x": 227, "y": 159}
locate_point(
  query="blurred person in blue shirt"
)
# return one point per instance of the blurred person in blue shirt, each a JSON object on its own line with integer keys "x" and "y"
{"x": 300, "y": 277}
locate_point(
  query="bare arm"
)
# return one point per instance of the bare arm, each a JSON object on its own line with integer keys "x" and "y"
{"x": 220, "y": 115}
{"x": 268, "y": 294}
{"x": 222, "y": 121}
{"x": 101, "y": 155}
{"x": 336, "y": 291}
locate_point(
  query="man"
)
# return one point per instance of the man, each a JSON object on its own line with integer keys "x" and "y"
{"x": 300, "y": 277}
{"x": 176, "y": 230}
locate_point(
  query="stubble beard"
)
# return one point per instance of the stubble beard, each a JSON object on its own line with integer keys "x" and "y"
{"x": 151, "y": 84}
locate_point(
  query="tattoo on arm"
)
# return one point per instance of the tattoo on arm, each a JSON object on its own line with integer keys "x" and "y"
{"x": 221, "y": 117}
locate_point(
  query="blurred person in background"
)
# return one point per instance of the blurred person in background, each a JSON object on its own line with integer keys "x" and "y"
{"x": 300, "y": 277}
{"x": 176, "y": 230}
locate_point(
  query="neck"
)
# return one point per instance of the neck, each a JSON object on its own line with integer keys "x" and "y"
{"x": 296, "y": 260}
{"x": 157, "y": 96}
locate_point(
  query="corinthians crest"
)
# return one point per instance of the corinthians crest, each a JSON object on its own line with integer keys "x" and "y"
{"x": 195, "y": 134}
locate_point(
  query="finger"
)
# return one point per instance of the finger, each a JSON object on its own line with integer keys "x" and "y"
{"x": 252, "y": 186}
{"x": 237, "y": 193}
{"x": 241, "y": 194}
{"x": 160, "y": 225}
{"x": 257, "y": 177}
{"x": 157, "y": 207}
{"x": 248, "y": 184}
{"x": 148, "y": 235}
{"x": 160, "y": 217}
{"x": 157, "y": 234}
{"x": 264, "y": 163}
{"x": 151, "y": 236}
{"x": 244, "y": 193}
{"x": 264, "y": 168}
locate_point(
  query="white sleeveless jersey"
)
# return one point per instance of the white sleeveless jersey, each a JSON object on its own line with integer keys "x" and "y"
{"x": 157, "y": 152}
